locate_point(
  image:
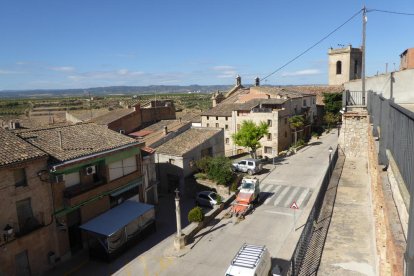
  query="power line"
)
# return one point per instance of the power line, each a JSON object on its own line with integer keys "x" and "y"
{"x": 313, "y": 46}
{"x": 392, "y": 12}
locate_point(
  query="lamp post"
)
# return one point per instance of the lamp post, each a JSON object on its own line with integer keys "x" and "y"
{"x": 330, "y": 159}
{"x": 179, "y": 239}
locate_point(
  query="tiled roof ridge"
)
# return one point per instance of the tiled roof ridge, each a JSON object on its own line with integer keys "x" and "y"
{"x": 49, "y": 127}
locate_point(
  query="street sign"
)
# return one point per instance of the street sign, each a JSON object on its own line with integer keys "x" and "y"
{"x": 294, "y": 205}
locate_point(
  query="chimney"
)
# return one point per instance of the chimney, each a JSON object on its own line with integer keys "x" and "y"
{"x": 257, "y": 81}
{"x": 60, "y": 139}
{"x": 165, "y": 130}
{"x": 238, "y": 80}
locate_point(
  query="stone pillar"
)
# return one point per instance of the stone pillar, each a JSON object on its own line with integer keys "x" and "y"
{"x": 179, "y": 239}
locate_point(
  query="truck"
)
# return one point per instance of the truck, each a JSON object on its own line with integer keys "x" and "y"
{"x": 249, "y": 192}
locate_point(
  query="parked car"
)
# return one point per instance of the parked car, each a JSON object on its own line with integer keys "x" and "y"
{"x": 251, "y": 260}
{"x": 250, "y": 166}
{"x": 206, "y": 198}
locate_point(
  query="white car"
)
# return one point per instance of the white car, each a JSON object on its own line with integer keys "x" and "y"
{"x": 250, "y": 166}
{"x": 251, "y": 260}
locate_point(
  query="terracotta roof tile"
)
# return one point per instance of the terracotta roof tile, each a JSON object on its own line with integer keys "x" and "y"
{"x": 14, "y": 149}
{"x": 77, "y": 140}
{"x": 187, "y": 141}
{"x": 112, "y": 116}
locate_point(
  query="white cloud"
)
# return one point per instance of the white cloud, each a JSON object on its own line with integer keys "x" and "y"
{"x": 225, "y": 71}
{"x": 63, "y": 69}
{"x": 9, "y": 72}
{"x": 306, "y": 72}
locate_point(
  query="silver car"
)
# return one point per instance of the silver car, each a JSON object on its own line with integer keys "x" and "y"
{"x": 206, "y": 198}
{"x": 250, "y": 166}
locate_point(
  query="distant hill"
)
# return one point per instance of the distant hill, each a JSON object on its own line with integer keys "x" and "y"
{"x": 113, "y": 90}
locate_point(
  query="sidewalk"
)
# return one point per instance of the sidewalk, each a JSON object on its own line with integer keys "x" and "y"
{"x": 350, "y": 244}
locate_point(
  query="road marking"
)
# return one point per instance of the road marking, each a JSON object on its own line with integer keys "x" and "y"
{"x": 281, "y": 196}
{"x": 289, "y": 199}
{"x": 302, "y": 197}
{"x": 280, "y": 213}
{"x": 267, "y": 188}
{"x": 274, "y": 193}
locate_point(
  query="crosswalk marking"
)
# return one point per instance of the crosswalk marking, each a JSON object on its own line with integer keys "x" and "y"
{"x": 280, "y": 197}
{"x": 302, "y": 197}
{"x": 283, "y": 196}
{"x": 274, "y": 192}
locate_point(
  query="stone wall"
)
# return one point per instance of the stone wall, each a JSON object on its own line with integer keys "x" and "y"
{"x": 353, "y": 137}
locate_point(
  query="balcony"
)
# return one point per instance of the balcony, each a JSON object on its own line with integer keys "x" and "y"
{"x": 353, "y": 99}
{"x": 80, "y": 193}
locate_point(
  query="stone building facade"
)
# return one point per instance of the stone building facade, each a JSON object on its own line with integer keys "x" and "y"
{"x": 262, "y": 104}
{"x": 344, "y": 65}
{"x": 176, "y": 158}
{"x": 28, "y": 240}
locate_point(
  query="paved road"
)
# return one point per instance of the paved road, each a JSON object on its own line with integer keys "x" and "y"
{"x": 294, "y": 178}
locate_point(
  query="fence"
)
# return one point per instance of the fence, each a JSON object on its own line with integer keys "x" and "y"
{"x": 306, "y": 236}
{"x": 353, "y": 98}
{"x": 393, "y": 125}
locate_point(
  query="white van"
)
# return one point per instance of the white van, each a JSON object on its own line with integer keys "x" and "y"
{"x": 251, "y": 260}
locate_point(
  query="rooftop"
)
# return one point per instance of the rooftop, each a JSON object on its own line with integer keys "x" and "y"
{"x": 73, "y": 141}
{"x": 155, "y": 132}
{"x": 187, "y": 141}
{"x": 112, "y": 116}
{"x": 14, "y": 149}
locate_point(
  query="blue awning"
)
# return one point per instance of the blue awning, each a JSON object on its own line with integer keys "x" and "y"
{"x": 114, "y": 219}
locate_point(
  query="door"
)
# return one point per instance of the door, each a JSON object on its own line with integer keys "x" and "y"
{"x": 242, "y": 166}
{"x": 74, "y": 232}
{"x": 22, "y": 264}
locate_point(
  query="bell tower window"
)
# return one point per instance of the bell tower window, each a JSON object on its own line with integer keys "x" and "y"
{"x": 338, "y": 67}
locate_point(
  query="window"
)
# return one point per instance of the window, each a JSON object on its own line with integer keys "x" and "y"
{"x": 269, "y": 123}
{"x": 20, "y": 177}
{"x": 122, "y": 167}
{"x": 227, "y": 118}
{"x": 338, "y": 67}
{"x": 171, "y": 161}
{"x": 208, "y": 117}
{"x": 304, "y": 103}
{"x": 226, "y": 127}
{"x": 242, "y": 163}
{"x": 217, "y": 125}
{"x": 227, "y": 141}
{"x": 269, "y": 136}
{"x": 250, "y": 163}
{"x": 72, "y": 179}
{"x": 208, "y": 125}
{"x": 25, "y": 214}
{"x": 356, "y": 68}
{"x": 216, "y": 117}
{"x": 268, "y": 150}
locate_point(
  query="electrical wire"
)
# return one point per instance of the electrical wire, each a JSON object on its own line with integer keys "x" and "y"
{"x": 392, "y": 12}
{"x": 313, "y": 46}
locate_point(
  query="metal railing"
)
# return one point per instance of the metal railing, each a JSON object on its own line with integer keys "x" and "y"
{"x": 307, "y": 233}
{"x": 353, "y": 98}
{"x": 393, "y": 126}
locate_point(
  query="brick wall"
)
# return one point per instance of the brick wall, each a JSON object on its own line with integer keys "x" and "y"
{"x": 128, "y": 123}
{"x": 38, "y": 242}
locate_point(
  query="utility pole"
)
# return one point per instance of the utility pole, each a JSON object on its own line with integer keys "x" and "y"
{"x": 364, "y": 25}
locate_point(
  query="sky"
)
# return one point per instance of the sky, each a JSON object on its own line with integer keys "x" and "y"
{"x": 49, "y": 44}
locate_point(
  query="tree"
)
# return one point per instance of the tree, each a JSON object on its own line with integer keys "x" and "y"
{"x": 249, "y": 135}
{"x": 333, "y": 102}
{"x": 296, "y": 122}
{"x": 330, "y": 119}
